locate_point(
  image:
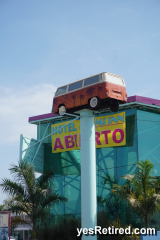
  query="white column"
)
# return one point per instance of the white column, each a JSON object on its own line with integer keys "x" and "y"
{"x": 88, "y": 172}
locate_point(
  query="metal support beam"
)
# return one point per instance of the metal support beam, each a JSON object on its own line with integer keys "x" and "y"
{"x": 48, "y": 135}
{"x": 40, "y": 142}
{"x": 39, "y": 137}
{"x": 69, "y": 114}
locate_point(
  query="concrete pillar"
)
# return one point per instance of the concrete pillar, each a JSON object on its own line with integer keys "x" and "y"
{"x": 88, "y": 172}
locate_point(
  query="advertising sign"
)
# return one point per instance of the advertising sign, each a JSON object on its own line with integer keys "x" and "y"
{"x": 5, "y": 224}
{"x": 110, "y": 131}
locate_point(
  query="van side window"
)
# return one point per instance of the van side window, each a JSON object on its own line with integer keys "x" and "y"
{"x": 60, "y": 90}
{"x": 91, "y": 80}
{"x": 75, "y": 86}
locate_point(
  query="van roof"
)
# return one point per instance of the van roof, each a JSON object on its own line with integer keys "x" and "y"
{"x": 114, "y": 75}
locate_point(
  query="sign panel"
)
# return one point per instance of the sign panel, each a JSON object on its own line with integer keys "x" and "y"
{"x": 5, "y": 221}
{"x": 67, "y": 138}
{"x": 110, "y": 131}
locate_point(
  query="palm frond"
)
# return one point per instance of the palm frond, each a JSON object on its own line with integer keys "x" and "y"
{"x": 45, "y": 178}
{"x": 30, "y": 195}
{"x": 11, "y": 187}
{"x": 141, "y": 190}
{"x": 53, "y": 199}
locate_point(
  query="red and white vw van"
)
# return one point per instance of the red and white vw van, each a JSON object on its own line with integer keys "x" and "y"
{"x": 104, "y": 90}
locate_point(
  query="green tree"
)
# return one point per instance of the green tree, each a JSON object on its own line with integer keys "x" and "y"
{"x": 28, "y": 194}
{"x": 140, "y": 191}
{"x": 1, "y": 207}
{"x": 114, "y": 206}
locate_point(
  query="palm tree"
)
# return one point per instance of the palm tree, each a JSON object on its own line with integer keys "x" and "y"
{"x": 30, "y": 195}
{"x": 81, "y": 97}
{"x": 140, "y": 191}
{"x": 99, "y": 88}
{"x": 55, "y": 101}
{"x": 74, "y": 98}
{"x": 90, "y": 91}
{"x": 1, "y": 207}
{"x": 114, "y": 206}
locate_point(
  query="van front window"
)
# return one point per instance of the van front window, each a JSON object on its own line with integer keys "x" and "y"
{"x": 61, "y": 91}
{"x": 91, "y": 80}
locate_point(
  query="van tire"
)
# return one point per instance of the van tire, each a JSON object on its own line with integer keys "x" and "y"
{"x": 114, "y": 106}
{"x": 94, "y": 102}
{"x": 62, "y": 110}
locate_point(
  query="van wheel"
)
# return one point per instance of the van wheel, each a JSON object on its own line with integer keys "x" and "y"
{"x": 62, "y": 110}
{"x": 94, "y": 102}
{"x": 114, "y": 107}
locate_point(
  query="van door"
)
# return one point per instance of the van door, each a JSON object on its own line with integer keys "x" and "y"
{"x": 74, "y": 90}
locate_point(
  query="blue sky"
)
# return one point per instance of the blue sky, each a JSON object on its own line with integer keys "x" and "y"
{"x": 46, "y": 44}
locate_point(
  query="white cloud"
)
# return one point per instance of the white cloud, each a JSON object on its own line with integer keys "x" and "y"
{"x": 17, "y": 105}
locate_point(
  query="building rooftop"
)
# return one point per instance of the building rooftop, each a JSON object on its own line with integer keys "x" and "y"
{"x": 150, "y": 101}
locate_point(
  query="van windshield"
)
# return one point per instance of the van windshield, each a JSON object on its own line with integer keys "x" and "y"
{"x": 60, "y": 90}
{"x": 91, "y": 80}
{"x": 75, "y": 86}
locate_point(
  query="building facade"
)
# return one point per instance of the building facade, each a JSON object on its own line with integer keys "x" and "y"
{"x": 142, "y": 142}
